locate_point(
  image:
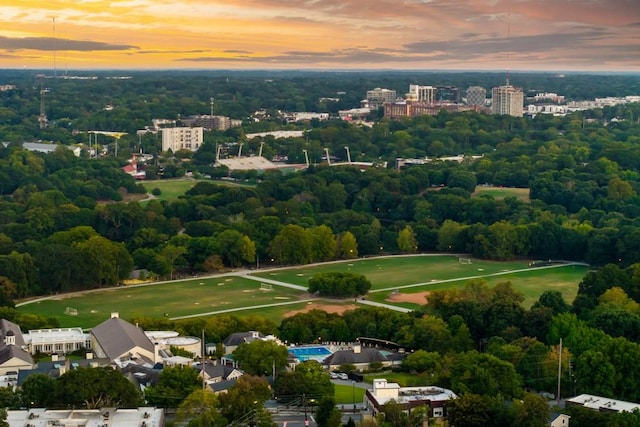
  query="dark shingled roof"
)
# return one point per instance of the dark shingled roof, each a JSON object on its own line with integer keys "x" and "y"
{"x": 217, "y": 371}
{"x": 366, "y": 355}
{"x": 222, "y": 385}
{"x": 8, "y": 352}
{"x": 117, "y": 337}
{"x": 241, "y": 337}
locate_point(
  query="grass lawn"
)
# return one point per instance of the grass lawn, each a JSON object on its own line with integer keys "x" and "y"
{"x": 398, "y": 270}
{"x": 170, "y": 189}
{"x": 531, "y": 283}
{"x": 347, "y": 394}
{"x": 502, "y": 192}
{"x": 172, "y": 299}
{"x": 242, "y": 297}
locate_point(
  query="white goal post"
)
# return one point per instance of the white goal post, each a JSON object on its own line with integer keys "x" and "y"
{"x": 266, "y": 287}
{"x": 71, "y": 311}
{"x": 462, "y": 260}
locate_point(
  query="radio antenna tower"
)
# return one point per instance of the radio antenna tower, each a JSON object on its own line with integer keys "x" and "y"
{"x": 55, "y": 72}
{"x": 508, "y": 40}
{"x": 42, "y": 119}
{"x": 211, "y": 102}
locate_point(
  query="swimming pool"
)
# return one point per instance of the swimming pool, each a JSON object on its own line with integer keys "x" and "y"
{"x": 314, "y": 352}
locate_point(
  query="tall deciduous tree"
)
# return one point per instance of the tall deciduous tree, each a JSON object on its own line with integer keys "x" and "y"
{"x": 200, "y": 409}
{"x": 261, "y": 357}
{"x": 323, "y": 243}
{"x": 94, "y": 388}
{"x": 174, "y": 385}
{"x": 407, "y": 240}
{"x": 246, "y": 397}
{"x": 38, "y": 391}
{"x": 292, "y": 245}
{"x": 347, "y": 246}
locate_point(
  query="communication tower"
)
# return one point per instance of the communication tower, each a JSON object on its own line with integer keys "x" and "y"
{"x": 42, "y": 119}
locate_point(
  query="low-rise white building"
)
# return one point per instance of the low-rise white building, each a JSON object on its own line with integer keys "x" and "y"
{"x": 602, "y": 404}
{"x": 58, "y": 340}
{"x": 40, "y": 417}
{"x": 408, "y": 398}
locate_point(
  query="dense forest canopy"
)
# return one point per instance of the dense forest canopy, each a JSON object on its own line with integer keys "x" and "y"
{"x": 68, "y": 223}
{"x": 581, "y": 171}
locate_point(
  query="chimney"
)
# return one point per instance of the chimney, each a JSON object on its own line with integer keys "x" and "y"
{"x": 115, "y": 314}
{"x": 89, "y": 355}
{"x": 357, "y": 349}
{"x": 54, "y": 357}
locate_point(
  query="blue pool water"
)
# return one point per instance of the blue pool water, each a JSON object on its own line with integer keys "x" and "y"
{"x": 318, "y": 352}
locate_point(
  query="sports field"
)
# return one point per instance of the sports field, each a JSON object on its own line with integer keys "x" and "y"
{"x": 398, "y": 271}
{"x": 531, "y": 283}
{"x": 401, "y": 281}
{"x": 502, "y": 192}
{"x": 174, "y": 299}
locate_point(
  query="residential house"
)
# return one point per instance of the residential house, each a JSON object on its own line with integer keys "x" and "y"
{"x": 58, "y": 366}
{"x": 13, "y": 350}
{"x": 142, "y": 376}
{"x": 559, "y": 420}
{"x": 232, "y": 342}
{"x": 215, "y": 372}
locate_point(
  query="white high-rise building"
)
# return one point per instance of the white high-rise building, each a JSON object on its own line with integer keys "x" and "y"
{"x": 426, "y": 94}
{"x": 476, "y": 95}
{"x": 378, "y": 97}
{"x": 182, "y": 138}
{"x": 507, "y": 100}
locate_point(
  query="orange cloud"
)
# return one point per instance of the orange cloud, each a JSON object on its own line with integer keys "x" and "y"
{"x": 466, "y": 34}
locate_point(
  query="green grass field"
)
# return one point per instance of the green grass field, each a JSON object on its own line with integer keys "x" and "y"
{"x": 397, "y": 271}
{"x": 347, "y": 394}
{"x": 242, "y": 296}
{"x": 170, "y": 189}
{"x": 531, "y": 283}
{"x": 173, "y": 299}
{"x": 502, "y": 192}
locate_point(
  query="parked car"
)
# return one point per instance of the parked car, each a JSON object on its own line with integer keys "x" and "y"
{"x": 334, "y": 376}
{"x": 343, "y": 376}
{"x": 356, "y": 376}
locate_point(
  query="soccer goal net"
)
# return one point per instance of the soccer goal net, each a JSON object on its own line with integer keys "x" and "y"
{"x": 266, "y": 287}
{"x": 464, "y": 260}
{"x": 71, "y": 311}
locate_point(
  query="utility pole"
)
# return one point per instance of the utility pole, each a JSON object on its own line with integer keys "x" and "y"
{"x": 559, "y": 370}
{"x": 202, "y": 360}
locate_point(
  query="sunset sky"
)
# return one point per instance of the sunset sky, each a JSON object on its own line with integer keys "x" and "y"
{"x": 559, "y": 35}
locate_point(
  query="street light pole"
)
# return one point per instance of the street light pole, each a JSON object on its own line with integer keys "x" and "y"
{"x": 353, "y": 395}
{"x": 304, "y": 405}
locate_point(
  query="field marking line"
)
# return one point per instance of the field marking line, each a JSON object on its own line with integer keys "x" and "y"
{"x": 230, "y": 310}
{"x": 500, "y": 273}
